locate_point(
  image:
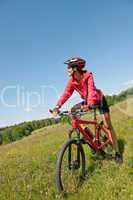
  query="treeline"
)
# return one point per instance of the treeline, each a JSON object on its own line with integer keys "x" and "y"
{"x": 120, "y": 97}
{"x": 16, "y": 132}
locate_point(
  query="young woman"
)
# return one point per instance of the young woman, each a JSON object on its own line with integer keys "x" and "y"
{"x": 82, "y": 81}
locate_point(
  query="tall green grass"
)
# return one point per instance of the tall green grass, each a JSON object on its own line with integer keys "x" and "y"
{"x": 27, "y": 167}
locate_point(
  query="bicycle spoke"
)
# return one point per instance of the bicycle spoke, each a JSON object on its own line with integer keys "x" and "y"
{"x": 70, "y": 169}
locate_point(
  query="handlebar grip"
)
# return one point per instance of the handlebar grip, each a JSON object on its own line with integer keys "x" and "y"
{"x": 51, "y": 111}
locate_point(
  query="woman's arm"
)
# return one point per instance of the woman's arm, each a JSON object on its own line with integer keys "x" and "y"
{"x": 66, "y": 94}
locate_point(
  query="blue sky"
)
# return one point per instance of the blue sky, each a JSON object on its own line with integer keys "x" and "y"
{"x": 36, "y": 37}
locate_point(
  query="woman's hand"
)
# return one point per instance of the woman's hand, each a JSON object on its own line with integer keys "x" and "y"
{"x": 55, "y": 111}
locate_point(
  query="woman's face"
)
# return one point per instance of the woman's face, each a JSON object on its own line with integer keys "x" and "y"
{"x": 70, "y": 71}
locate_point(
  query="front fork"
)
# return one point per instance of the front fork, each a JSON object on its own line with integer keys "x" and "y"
{"x": 74, "y": 130}
{"x": 74, "y": 160}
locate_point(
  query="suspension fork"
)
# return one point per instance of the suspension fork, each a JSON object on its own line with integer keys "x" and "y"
{"x": 78, "y": 150}
{"x": 77, "y": 132}
{"x": 77, "y": 156}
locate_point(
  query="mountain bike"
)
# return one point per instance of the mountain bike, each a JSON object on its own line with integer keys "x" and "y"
{"x": 71, "y": 162}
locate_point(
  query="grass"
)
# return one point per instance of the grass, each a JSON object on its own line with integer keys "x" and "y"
{"x": 27, "y": 167}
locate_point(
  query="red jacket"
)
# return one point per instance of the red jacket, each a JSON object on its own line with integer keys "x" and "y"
{"x": 86, "y": 88}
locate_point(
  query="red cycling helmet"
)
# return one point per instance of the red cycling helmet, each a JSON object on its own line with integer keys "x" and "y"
{"x": 75, "y": 62}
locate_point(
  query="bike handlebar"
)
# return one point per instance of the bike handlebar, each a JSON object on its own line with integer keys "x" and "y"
{"x": 77, "y": 112}
{"x": 68, "y": 113}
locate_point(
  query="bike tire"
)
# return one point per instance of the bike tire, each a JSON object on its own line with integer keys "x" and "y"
{"x": 59, "y": 182}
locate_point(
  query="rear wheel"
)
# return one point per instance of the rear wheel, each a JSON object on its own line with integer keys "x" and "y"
{"x": 70, "y": 167}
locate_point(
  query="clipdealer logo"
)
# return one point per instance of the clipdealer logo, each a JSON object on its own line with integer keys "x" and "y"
{"x": 26, "y": 99}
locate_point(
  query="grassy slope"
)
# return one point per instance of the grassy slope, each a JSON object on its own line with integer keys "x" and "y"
{"x": 27, "y": 167}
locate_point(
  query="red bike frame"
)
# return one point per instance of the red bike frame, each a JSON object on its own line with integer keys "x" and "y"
{"x": 76, "y": 124}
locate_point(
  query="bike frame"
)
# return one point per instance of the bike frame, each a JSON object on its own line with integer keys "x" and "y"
{"x": 76, "y": 124}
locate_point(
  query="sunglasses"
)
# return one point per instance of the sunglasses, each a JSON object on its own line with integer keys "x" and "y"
{"x": 72, "y": 66}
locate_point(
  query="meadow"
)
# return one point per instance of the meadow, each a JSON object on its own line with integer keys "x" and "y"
{"x": 27, "y": 166}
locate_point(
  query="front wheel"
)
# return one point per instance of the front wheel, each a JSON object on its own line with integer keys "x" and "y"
{"x": 70, "y": 167}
